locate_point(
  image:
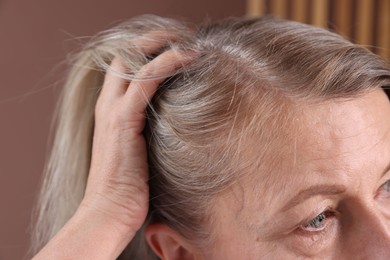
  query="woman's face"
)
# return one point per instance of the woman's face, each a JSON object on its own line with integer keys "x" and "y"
{"x": 329, "y": 199}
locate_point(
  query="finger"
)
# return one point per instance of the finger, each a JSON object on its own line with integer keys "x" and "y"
{"x": 152, "y": 42}
{"x": 114, "y": 85}
{"x": 146, "y": 82}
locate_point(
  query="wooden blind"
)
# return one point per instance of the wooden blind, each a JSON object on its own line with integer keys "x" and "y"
{"x": 366, "y": 22}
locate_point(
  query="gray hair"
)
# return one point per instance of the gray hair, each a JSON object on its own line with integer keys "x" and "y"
{"x": 243, "y": 84}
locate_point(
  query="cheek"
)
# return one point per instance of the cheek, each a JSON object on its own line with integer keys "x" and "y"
{"x": 233, "y": 243}
{"x": 233, "y": 239}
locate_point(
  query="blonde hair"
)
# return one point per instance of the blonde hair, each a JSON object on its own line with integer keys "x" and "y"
{"x": 248, "y": 72}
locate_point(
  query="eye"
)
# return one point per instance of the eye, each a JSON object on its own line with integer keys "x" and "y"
{"x": 386, "y": 186}
{"x": 319, "y": 222}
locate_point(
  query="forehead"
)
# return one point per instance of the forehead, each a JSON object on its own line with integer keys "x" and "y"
{"x": 329, "y": 142}
{"x": 334, "y": 130}
{"x": 344, "y": 133}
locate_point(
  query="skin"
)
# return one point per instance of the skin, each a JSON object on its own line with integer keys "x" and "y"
{"x": 344, "y": 145}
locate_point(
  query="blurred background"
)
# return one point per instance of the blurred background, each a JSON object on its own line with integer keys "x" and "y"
{"x": 366, "y": 22}
{"x": 35, "y": 37}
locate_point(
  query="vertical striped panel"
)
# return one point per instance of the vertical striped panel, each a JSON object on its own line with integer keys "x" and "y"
{"x": 384, "y": 29}
{"x": 299, "y": 10}
{"x": 320, "y": 11}
{"x": 279, "y": 8}
{"x": 255, "y": 7}
{"x": 351, "y": 18}
{"x": 343, "y": 17}
{"x": 364, "y": 22}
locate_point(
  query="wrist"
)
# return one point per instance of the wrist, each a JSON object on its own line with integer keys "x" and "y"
{"x": 89, "y": 234}
{"x": 109, "y": 225}
{"x": 109, "y": 212}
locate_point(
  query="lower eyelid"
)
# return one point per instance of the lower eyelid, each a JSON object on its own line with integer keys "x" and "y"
{"x": 306, "y": 241}
{"x": 313, "y": 243}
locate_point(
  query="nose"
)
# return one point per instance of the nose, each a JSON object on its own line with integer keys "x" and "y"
{"x": 369, "y": 235}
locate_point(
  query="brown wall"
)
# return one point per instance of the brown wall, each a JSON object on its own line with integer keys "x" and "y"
{"x": 34, "y": 38}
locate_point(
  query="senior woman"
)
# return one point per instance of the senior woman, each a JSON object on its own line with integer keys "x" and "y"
{"x": 243, "y": 139}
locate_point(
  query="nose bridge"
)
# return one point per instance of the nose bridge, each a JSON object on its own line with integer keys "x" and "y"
{"x": 372, "y": 233}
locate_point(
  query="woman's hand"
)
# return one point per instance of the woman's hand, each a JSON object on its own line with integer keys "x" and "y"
{"x": 116, "y": 200}
{"x": 117, "y": 185}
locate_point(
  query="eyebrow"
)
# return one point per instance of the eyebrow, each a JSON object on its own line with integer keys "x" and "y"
{"x": 321, "y": 189}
